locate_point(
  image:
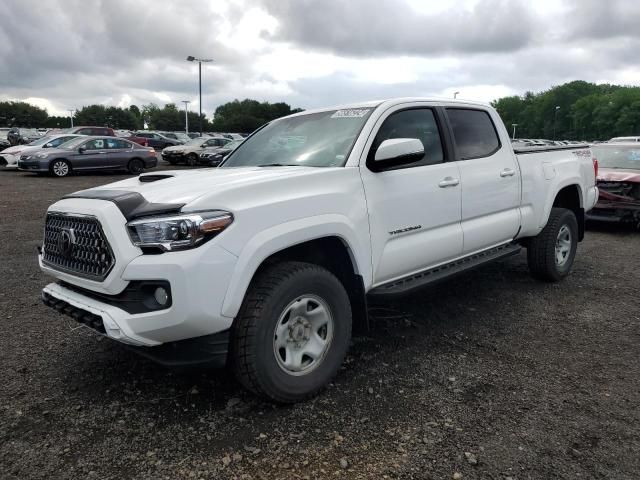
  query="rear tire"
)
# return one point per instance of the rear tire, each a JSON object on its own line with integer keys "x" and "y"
{"x": 60, "y": 168}
{"x": 551, "y": 253}
{"x": 192, "y": 160}
{"x": 292, "y": 332}
{"x": 135, "y": 166}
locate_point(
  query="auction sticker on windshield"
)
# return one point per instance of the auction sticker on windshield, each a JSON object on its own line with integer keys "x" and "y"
{"x": 350, "y": 113}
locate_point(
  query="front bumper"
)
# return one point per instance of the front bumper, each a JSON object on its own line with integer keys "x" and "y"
{"x": 33, "y": 165}
{"x": 198, "y": 278}
{"x": 210, "y": 350}
{"x": 8, "y": 161}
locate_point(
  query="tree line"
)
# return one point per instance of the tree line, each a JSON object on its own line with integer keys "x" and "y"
{"x": 242, "y": 116}
{"x": 576, "y": 110}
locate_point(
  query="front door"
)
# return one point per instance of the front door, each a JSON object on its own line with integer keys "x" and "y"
{"x": 490, "y": 179}
{"x": 93, "y": 156}
{"x": 414, "y": 210}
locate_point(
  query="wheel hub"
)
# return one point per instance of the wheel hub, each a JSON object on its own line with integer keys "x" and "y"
{"x": 563, "y": 245}
{"x": 303, "y": 335}
{"x": 299, "y": 331}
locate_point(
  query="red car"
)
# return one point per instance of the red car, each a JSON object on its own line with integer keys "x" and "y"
{"x": 619, "y": 183}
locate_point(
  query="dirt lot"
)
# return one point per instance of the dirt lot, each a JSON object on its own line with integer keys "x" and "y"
{"x": 490, "y": 375}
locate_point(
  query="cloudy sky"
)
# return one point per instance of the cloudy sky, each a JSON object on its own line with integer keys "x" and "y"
{"x": 62, "y": 54}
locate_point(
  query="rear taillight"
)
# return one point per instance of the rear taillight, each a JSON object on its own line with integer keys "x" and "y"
{"x": 595, "y": 167}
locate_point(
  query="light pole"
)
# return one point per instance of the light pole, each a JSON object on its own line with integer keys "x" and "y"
{"x": 555, "y": 116}
{"x": 514, "y": 125}
{"x": 186, "y": 116}
{"x": 71, "y": 110}
{"x": 455, "y": 95}
{"x": 200, "y": 61}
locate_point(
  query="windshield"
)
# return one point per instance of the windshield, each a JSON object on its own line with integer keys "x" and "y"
{"x": 40, "y": 141}
{"x": 321, "y": 139}
{"x": 75, "y": 143}
{"x": 626, "y": 157}
{"x": 182, "y": 136}
{"x": 196, "y": 141}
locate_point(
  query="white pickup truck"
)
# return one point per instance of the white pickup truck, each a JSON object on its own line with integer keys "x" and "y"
{"x": 266, "y": 263}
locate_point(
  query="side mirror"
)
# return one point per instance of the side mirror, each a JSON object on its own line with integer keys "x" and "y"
{"x": 397, "y": 151}
{"x": 82, "y": 149}
{"x": 47, "y": 145}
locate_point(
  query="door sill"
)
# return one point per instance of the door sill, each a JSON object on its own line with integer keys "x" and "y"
{"x": 415, "y": 281}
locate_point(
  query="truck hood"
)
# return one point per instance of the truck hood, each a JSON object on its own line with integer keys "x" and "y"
{"x": 185, "y": 186}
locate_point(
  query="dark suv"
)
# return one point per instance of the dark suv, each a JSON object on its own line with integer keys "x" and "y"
{"x": 157, "y": 140}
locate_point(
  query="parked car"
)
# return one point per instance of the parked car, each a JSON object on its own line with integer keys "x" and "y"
{"x": 22, "y": 136}
{"x": 183, "y": 137}
{"x": 131, "y": 137}
{"x": 624, "y": 139}
{"x": 213, "y": 156}
{"x": 157, "y": 140}
{"x": 84, "y": 130}
{"x": 9, "y": 158}
{"x": 189, "y": 153}
{"x": 265, "y": 263}
{"x": 197, "y": 135}
{"x": 233, "y": 136}
{"x": 618, "y": 182}
{"x": 90, "y": 154}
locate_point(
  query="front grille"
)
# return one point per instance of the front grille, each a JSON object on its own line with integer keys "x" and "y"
{"x": 77, "y": 245}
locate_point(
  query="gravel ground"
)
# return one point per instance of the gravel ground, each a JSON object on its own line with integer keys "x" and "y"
{"x": 491, "y": 375}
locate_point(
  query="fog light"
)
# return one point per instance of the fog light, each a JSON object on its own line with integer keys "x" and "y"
{"x": 161, "y": 296}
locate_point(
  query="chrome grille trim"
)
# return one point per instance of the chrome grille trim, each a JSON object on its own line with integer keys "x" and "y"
{"x": 90, "y": 255}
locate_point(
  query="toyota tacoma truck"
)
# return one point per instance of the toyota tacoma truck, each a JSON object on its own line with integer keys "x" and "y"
{"x": 266, "y": 263}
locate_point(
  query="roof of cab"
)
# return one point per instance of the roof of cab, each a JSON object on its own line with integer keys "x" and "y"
{"x": 394, "y": 101}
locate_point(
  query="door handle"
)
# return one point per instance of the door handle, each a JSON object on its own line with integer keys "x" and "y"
{"x": 448, "y": 182}
{"x": 507, "y": 172}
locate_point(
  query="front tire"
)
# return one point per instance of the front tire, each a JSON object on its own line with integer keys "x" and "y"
{"x": 551, "y": 253}
{"x": 292, "y": 332}
{"x": 60, "y": 168}
{"x": 192, "y": 159}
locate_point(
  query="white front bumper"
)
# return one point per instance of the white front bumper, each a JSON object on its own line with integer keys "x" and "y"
{"x": 12, "y": 160}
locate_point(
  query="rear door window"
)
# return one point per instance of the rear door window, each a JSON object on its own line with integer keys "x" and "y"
{"x": 116, "y": 144}
{"x": 474, "y": 133}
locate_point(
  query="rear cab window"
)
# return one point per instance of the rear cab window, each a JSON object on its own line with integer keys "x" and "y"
{"x": 474, "y": 133}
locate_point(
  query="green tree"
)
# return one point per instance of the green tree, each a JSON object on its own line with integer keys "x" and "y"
{"x": 244, "y": 116}
{"x": 586, "y": 111}
{"x": 21, "y": 114}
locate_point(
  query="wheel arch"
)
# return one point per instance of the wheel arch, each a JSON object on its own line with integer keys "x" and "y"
{"x": 333, "y": 251}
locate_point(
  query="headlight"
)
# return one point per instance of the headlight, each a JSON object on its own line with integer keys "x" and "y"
{"x": 178, "y": 232}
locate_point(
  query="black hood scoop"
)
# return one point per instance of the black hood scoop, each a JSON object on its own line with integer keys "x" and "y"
{"x": 154, "y": 177}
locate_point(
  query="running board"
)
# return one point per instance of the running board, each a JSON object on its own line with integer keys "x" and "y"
{"x": 426, "y": 277}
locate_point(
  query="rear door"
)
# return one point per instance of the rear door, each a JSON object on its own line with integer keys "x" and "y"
{"x": 414, "y": 210}
{"x": 489, "y": 176}
{"x": 118, "y": 153}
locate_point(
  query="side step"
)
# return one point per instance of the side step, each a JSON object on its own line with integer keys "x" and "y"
{"x": 426, "y": 277}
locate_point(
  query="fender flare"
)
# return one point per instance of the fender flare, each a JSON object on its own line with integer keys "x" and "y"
{"x": 282, "y": 236}
{"x": 568, "y": 182}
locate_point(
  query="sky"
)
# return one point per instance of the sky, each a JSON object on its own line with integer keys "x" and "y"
{"x": 63, "y": 54}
